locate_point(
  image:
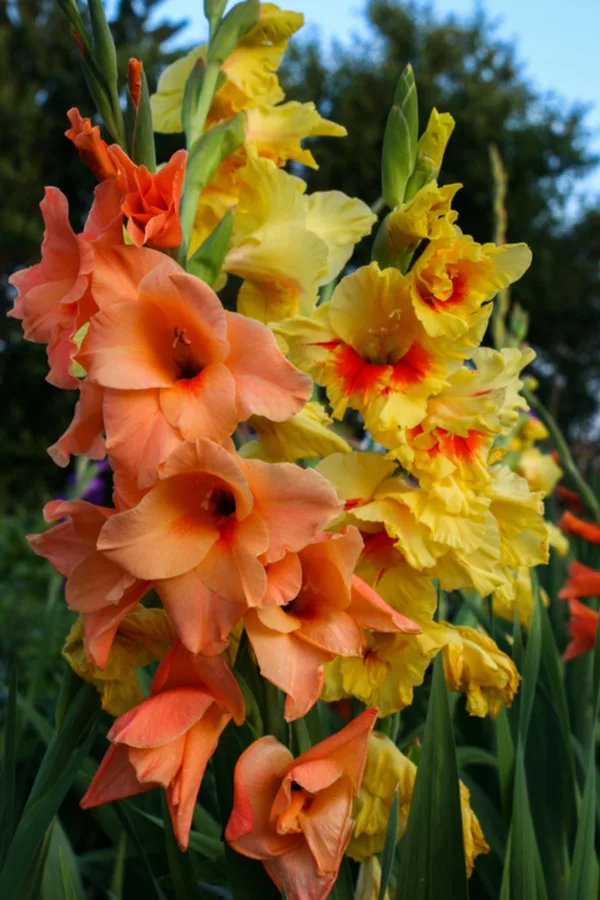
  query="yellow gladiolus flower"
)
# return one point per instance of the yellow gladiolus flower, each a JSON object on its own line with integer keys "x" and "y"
{"x": 474, "y": 665}
{"x": 519, "y": 512}
{"x": 305, "y": 436}
{"x": 453, "y": 281}
{"x": 434, "y": 140}
{"x": 557, "y": 539}
{"x": 285, "y": 244}
{"x": 429, "y": 215}
{"x": 517, "y": 595}
{"x": 529, "y": 432}
{"x": 143, "y": 636}
{"x": 249, "y": 70}
{"x": 540, "y": 470}
{"x": 455, "y": 437}
{"x": 368, "y": 349}
{"x": 277, "y": 132}
{"x": 388, "y": 769}
{"x": 368, "y": 883}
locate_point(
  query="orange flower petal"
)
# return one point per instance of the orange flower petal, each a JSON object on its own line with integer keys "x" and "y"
{"x": 297, "y": 870}
{"x": 371, "y": 611}
{"x": 327, "y": 826}
{"x": 582, "y": 626}
{"x": 284, "y": 580}
{"x": 202, "y": 618}
{"x": 255, "y": 785}
{"x": 96, "y": 582}
{"x": 231, "y": 568}
{"x": 203, "y": 406}
{"x": 100, "y": 628}
{"x": 128, "y": 347}
{"x": 166, "y": 534}
{"x": 159, "y": 765}
{"x": 200, "y": 744}
{"x": 84, "y": 436}
{"x": 582, "y": 582}
{"x": 114, "y": 780}
{"x": 295, "y": 504}
{"x": 586, "y": 530}
{"x": 267, "y": 384}
{"x": 180, "y": 668}
{"x": 161, "y": 719}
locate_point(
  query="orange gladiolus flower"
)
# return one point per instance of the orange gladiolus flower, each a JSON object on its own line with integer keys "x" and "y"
{"x": 295, "y": 814}
{"x": 570, "y": 497}
{"x": 54, "y": 299}
{"x": 176, "y": 365}
{"x": 168, "y": 739}
{"x": 150, "y": 201}
{"x": 586, "y": 530}
{"x": 134, "y": 80}
{"x": 92, "y": 149}
{"x": 206, "y": 531}
{"x": 96, "y": 586}
{"x": 582, "y": 625}
{"x": 582, "y": 582}
{"x": 319, "y": 613}
{"x": 84, "y": 436}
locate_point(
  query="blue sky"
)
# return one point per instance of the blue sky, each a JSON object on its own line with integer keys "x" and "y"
{"x": 556, "y": 40}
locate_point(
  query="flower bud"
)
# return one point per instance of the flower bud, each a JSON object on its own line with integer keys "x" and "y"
{"x": 400, "y": 140}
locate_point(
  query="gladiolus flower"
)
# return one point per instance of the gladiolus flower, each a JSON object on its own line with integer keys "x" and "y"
{"x": 369, "y": 351}
{"x": 518, "y": 595}
{"x": 540, "y": 470}
{"x": 149, "y": 201}
{"x": 54, "y": 299}
{"x": 168, "y": 739}
{"x": 582, "y": 625}
{"x": 177, "y": 366}
{"x": 205, "y": 532}
{"x": 295, "y": 814}
{"x": 588, "y": 531}
{"x": 84, "y": 436}
{"x": 474, "y": 665}
{"x": 142, "y": 636}
{"x": 90, "y": 145}
{"x": 386, "y": 771}
{"x": 570, "y": 497}
{"x": 96, "y": 586}
{"x": 582, "y": 582}
{"x": 453, "y": 281}
{"x": 322, "y": 616}
{"x": 305, "y": 436}
{"x": 434, "y": 140}
{"x": 429, "y": 215}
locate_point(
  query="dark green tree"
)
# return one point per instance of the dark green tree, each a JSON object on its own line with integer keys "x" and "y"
{"x": 40, "y": 79}
{"x": 462, "y": 67}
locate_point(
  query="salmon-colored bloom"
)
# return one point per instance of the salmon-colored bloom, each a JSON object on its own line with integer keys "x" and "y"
{"x": 586, "y": 530}
{"x": 321, "y": 617}
{"x": 54, "y": 299}
{"x": 176, "y": 366}
{"x": 206, "y": 531}
{"x": 295, "y": 814}
{"x": 168, "y": 739}
{"x": 134, "y": 80}
{"x": 84, "y": 436}
{"x": 96, "y": 586}
{"x": 582, "y": 625}
{"x": 582, "y": 582}
{"x": 90, "y": 145}
{"x": 149, "y": 201}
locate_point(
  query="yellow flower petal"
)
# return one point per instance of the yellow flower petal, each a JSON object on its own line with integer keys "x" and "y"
{"x": 277, "y": 132}
{"x": 305, "y": 436}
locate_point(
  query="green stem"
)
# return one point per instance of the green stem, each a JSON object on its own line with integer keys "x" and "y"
{"x": 301, "y": 736}
{"x": 207, "y": 94}
{"x": 273, "y": 713}
{"x": 564, "y": 454}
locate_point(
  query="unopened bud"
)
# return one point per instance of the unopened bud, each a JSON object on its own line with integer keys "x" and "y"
{"x": 134, "y": 79}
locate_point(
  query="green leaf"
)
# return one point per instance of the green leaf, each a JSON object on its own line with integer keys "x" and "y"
{"x": 207, "y": 261}
{"x": 389, "y": 847}
{"x": 183, "y": 878}
{"x": 433, "y": 858}
{"x": 141, "y": 140}
{"x": 206, "y": 155}
{"x": 208, "y": 844}
{"x": 505, "y": 750}
{"x": 9, "y": 766}
{"x": 121, "y": 809}
{"x": 530, "y": 671}
{"x": 44, "y": 801}
{"x": 475, "y": 756}
{"x": 105, "y": 53}
{"x": 61, "y": 873}
{"x": 400, "y": 140}
{"x": 522, "y": 877}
